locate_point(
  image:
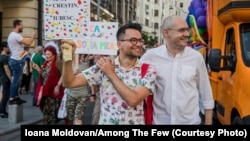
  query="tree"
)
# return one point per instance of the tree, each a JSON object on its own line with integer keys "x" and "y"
{"x": 149, "y": 41}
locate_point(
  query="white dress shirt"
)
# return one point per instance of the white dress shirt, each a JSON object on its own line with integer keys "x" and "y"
{"x": 180, "y": 82}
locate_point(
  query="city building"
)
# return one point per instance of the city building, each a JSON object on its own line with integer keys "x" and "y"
{"x": 31, "y": 12}
{"x": 181, "y": 7}
{"x": 149, "y": 13}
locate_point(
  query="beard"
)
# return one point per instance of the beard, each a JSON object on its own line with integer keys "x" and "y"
{"x": 8, "y": 52}
{"x": 20, "y": 30}
{"x": 134, "y": 54}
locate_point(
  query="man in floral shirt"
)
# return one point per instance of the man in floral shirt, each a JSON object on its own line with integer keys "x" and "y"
{"x": 122, "y": 88}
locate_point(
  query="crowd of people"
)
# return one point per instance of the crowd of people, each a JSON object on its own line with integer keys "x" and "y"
{"x": 176, "y": 77}
{"x": 12, "y": 63}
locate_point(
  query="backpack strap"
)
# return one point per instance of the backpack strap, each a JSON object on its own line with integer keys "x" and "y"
{"x": 144, "y": 69}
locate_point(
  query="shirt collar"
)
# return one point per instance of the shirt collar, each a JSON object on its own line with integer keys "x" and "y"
{"x": 178, "y": 54}
{"x": 117, "y": 63}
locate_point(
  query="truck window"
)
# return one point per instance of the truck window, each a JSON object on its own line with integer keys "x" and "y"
{"x": 230, "y": 49}
{"x": 245, "y": 42}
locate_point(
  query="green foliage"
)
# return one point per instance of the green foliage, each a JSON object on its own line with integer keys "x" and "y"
{"x": 148, "y": 40}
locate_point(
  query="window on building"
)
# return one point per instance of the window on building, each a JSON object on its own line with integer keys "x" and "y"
{"x": 146, "y": 9}
{"x": 156, "y": 26}
{"x": 156, "y": 39}
{"x": 104, "y": 3}
{"x": 146, "y": 22}
{"x": 181, "y": 5}
{"x": 170, "y": 7}
{"x": 156, "y": 1}
{"x": 134, "y": 16}
{"x": 156, "y": 13}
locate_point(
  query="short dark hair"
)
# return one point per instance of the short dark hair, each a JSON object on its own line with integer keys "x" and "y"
{"x": 16, "y": 22}
{"x": 121, "y": 30}
{"x": 3, "y": 45}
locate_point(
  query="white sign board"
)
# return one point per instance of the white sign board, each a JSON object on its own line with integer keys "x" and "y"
{"x": 70, "y": 19}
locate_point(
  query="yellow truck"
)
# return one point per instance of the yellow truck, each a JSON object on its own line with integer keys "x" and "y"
{"x": 229, "y": 59}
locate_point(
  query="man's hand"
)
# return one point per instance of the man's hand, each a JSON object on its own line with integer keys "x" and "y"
{"x": 68, "y": 48}
{"x": 33, "y": 34}
{"x": 106, "y": 65}
{"x": 76, "y": 71}
{"x": 35, "y": 66}
{"x": 92, "y": 98}
{"x": 69, "y": 42}
{"x": 57, "y": 90}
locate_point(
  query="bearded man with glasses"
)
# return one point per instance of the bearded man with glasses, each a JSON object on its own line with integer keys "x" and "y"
{"x": 122, "y": 88}
{"x": 182, "y": 78}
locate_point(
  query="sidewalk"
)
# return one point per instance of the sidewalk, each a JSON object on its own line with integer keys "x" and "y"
{"x": 31, "y": 115}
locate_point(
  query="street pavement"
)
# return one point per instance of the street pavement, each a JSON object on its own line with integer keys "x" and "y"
{"x": 33, "y": 115}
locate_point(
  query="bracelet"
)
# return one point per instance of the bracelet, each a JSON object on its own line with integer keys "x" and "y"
{"x": 92, "y": 95}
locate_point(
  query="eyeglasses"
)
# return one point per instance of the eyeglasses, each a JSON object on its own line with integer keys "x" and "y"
{"x": 134, "y": 41}
{"x": 181, "y": 30}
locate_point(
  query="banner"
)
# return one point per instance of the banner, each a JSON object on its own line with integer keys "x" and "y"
{"x": 65, "y": 18}
{"x": 70, "y": 19}
{"x": 100, "y": 39}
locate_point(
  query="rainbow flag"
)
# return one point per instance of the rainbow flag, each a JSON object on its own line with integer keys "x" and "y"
{"x": 23, "y": 54}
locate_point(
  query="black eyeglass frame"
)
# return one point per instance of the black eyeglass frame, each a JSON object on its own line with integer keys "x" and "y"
{"x": 134, "y": 41}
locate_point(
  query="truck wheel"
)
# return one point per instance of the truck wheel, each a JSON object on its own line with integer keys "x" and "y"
{"x": 237, "y": 121}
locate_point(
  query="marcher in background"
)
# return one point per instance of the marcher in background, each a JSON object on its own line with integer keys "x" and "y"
{"x": 182, "y": 78}
{"x": 90, "y": 59}
{"x": 18, "y": 55}
{"x": 5, "y": 78}
{"x": 77, "y": 97}
{"x": 36, "y": 59}
{"x": 27, "y": 73}
{"x": 122, "y": 89}
{"x": 95, "y": 97}
{"x": 50, "y": 80}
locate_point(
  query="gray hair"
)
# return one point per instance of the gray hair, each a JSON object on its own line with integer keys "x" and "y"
{"x": 167, "y": 22}
{"x": 39, "y": 49}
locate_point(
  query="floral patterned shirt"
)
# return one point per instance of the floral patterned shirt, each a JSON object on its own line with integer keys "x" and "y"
{"x": 114, "y": 110}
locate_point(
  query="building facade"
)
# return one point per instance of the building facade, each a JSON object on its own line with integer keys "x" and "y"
{"x": 149, "y": 13}
{"x": 180, "y": 7}
{"x": 31, "y": 13}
